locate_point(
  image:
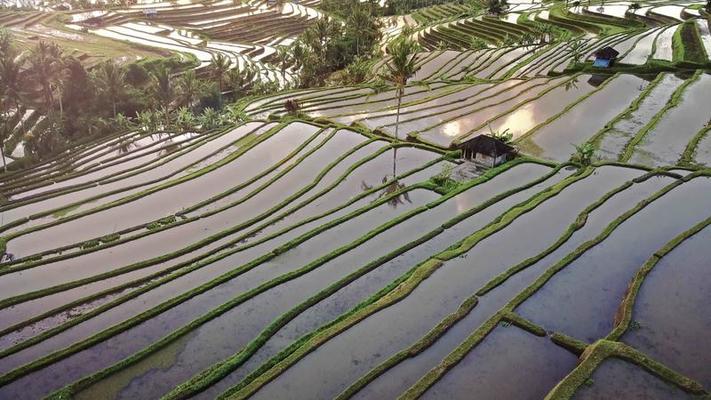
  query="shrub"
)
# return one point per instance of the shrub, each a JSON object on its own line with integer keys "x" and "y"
{"x": 90, "y": 244}
{"x": 583, "y": 154}
{"x": 292, "y": 106}
{"x": 110, "y": 238}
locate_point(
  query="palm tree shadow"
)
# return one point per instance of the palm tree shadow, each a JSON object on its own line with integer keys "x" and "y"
{"x": 391, "y": 188}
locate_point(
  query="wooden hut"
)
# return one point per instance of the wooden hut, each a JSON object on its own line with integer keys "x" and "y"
{"x": 486, "y": 150}
{"x": 605, "y": 57}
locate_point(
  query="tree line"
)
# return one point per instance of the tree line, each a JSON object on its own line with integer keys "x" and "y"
{"x": 78, "y": 103}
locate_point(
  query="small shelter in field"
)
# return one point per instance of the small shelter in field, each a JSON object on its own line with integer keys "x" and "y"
{"x": 605, "y": 57}
{"x": 486, "y": 150}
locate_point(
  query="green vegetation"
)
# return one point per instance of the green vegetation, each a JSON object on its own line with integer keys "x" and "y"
{"x": 244, "y": 210}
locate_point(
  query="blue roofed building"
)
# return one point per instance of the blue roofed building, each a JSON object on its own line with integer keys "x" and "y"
{"x": 605, "y": 57}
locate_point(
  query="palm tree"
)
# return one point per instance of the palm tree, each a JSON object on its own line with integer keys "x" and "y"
{"x": 111, "y": 82}
{"x": 6, "y": 129}
{"x": 189, "y": 86}
{"x": 298, "y": 52}
{"x": 219, "y": 66}
{"x": 45, "y": 64}
{"x": 163, "y": 91}
{"x": 283, "y": 60}
{"x": 11, "y": 80}
{"x": 576, "y": 50}
{"x": 400, "y": 68}
{"x": 242, "y": 80}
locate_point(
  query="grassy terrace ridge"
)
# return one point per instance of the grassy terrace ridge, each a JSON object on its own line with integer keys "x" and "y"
{"x": 509, "y": 316}
{"x": 197, "y": 250}
{"x": 675, "y": 100}
{"x": 162, "y": 277}
{"x": 154, "y": 227}
{"x": 220, "y": 370}
{"x": 627, "y": 113}
{"x": 248, "y": 386}
{"x": 361, "y": 271}
{"x": 216, "y": 255}
{"x": 610, "y": 346}
{"x": 20, "y": 222}
{"x": 480, "y": 333}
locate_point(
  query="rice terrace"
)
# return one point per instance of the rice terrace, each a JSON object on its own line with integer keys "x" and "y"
{"x": 355, "y": 199}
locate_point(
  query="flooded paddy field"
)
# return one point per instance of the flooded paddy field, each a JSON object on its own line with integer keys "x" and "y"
{"x": 364, "y": 245}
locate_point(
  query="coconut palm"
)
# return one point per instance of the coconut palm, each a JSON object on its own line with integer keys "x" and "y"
{"x": 45, "y": 64}
{"x": 241, "y": 80}
{"x": 189, "y": 86}
{"x": 283, "y": 60}
{"x": 111, "y": 82}
{"x": 11, "y": 81}
{"x": 163, "y": 90}
{"x": 219, "y": 66}
{"x": 6, "y": 129}
{"x": 400, "y": 68}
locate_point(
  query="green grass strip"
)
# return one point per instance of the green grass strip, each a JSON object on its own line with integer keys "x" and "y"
{"x": 426, "y": 341}
{"x": 569, "y": 343}
{"x": 250, "y": 142}
{"x": 218, "y": 371}
{"x": 624, "y": 313}
{"x": 247, "y": 389}
{"x": 567, "y": 108}
{"x": 688, "y": 156}
{"x": 164, "y": 160}
{"x": 161, "y": 277}
{"x": 64, "y": 254}
{"x": 675, "y": 100}
{"x": 234, "y": 229}
{"x": 627, "y": 113}
{"x": 523, "y": 323}
{"x": 601, "y": 350}
{"x": 478, "y": 335}
{"x": 146, "y": 315}
{"x": 508, "y": 316}
{"x": 578, "y": 224}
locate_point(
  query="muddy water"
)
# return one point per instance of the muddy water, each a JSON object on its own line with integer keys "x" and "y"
{"x": 615, "y": 140}
{"x": 398, "y": 379}
{"x": 433, "y": 66}
{"x": 642, "y": 49}
{"x": 227, "y": 334}
{"x": 509, "y": 364}
{"x": 671, "y": 310}
{"x": 663, "y": 44}
{"x": 618, "y": 379}
{"x": 380, "y": 101}
{"x": 665, "y": 143}
{"x": 122, "y": 163}
{"x": 122, "y": 345}
{"x": 328, "y": 203}
{"x": 555, "y": 140}
{"x": 376, "y": 338}
{"x": 581, "y": 300}
{"x": 504, "y": 62}
{"x": 67, "y": 269}
{"x": 443, "y": 128}
{"x": 370, "y": 283}
{"x": 155, "y": 205}
{"x": 432, "y": 105}
{"x": 177, "y": 164}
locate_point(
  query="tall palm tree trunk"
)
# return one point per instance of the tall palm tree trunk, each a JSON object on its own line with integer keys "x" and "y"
{"x": 2, "y": 153}
{"x": 400, "y": 91}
